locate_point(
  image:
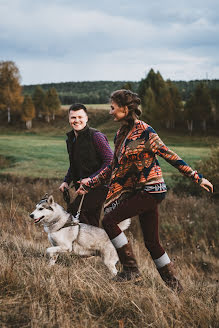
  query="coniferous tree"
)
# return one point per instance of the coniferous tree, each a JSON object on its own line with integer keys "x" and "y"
{"x": 147, "y": 93}
{"x": 215, "y": 103}
{"x": 199, "y": 107}
{"x": 161, "y": 101}
{"x": 165, "y": 111}
{"x": 149, "y": 107}
{"x": 159, "y": 84}
{"x": 204, "y": 104}
{"x": 175, "y": 106}
{"x": 10, "y": 88}
{"x": 28, "y": 111}
{"x": 127, "y": 86}
{"x": 190, "y": 113}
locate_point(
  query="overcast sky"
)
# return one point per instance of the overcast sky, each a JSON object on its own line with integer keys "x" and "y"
{"x": 90, "y": 40}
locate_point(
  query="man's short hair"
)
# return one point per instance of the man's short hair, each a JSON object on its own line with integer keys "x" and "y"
{"x": 77, "y": 107}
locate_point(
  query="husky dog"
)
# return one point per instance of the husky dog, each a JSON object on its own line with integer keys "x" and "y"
{"x": 67, "y": 234}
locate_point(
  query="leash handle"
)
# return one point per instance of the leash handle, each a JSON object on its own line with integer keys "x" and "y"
{"x": 66, "y": 196}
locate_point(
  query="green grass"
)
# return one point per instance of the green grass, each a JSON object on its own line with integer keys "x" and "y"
{"x": 33, "y": 155}
{"x": 191, "y": 155}
{"x": 91, "y": 106}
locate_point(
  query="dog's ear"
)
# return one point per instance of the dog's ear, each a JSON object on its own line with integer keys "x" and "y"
{"x": 50, "y": 200}
{"x": 45, "y": 197}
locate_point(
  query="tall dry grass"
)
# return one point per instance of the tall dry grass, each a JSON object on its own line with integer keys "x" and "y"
{"x": 78, "y": 292}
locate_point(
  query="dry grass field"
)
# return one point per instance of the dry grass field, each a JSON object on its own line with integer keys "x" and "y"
{"x": 78, "y": 292}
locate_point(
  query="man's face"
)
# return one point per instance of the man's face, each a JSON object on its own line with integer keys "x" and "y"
{"x": 78, "y": 119}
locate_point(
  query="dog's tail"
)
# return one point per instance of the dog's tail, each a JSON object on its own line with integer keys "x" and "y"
{"x": 123, "y": 225}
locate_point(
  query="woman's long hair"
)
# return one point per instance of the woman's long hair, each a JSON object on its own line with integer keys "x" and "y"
{"x": 130, "y": 99}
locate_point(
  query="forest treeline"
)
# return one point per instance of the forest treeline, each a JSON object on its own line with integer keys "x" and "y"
{"x": 171, "y": 104}
{"x": 97, "y": 92}
{"x": 87, "y": 92}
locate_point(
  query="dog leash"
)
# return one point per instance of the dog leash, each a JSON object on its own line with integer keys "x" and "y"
{"x": 79, "y": 209}
{"x": 74, "y": 219}
{"x": 66, "y": 195}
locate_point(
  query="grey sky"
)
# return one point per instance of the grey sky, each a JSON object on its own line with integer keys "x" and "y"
{"x": 69, "y": 40}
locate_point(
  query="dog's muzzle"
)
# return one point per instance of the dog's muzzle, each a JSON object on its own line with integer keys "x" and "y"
{"x": 36, "y": 220}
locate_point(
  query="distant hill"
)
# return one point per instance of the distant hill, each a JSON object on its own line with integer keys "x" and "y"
{"x": 187, "y": 87}
{"x": 98, "y": 92}
{"x": 86, "y": 92}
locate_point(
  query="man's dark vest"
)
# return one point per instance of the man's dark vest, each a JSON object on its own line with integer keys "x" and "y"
{"x": 83, "y": 155}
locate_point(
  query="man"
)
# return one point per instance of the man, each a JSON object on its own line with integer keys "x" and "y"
{"x": 89, "y": 153}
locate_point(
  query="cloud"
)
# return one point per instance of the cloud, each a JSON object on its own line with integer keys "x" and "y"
{"x": 92, "y": 40}
{"x": 50, "y": 29}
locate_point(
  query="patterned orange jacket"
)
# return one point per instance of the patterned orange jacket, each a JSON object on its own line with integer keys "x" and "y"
{"x": 137, "y": 167}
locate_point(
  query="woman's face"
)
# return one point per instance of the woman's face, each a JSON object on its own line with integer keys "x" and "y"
{"x": 119, "y": 113}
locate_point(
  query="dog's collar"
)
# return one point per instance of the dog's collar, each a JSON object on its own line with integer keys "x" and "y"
{"x": 70, "y": 222}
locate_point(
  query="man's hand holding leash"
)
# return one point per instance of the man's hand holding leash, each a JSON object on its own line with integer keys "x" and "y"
{"x": 63, "y": 186}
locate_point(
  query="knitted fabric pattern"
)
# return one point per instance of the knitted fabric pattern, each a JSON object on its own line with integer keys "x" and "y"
{"x": 137, "y": 165}
{"x": 105, "y": 152}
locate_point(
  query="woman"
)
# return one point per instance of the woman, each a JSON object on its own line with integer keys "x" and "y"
{"x": 137, "y": 186}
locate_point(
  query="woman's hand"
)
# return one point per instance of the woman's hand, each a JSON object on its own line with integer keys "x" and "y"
{"x": 207, "y": 185}
{"x": 84, "y": 181}
{"x": 81, "y": 190}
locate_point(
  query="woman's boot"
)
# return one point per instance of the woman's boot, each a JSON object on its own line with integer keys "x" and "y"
{"x": 130, "y": 269}
{"x": 168, "y": 275}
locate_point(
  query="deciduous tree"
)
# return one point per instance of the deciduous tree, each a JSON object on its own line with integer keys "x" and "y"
{"x": 28, "y": 111}
{"x": 39, "y": 101}
{"x": 52, "y": 103}
{"x": 10, "y": 89}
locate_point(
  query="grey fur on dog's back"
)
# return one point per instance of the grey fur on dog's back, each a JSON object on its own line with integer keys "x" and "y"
{"x": 82, "y": 239}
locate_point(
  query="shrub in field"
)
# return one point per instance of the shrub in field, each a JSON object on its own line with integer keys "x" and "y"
{"x": 5, "y": 161}
{"x": 209, "y": 168}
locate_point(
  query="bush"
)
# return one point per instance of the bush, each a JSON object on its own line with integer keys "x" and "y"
{"x": 208, "y": 168}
